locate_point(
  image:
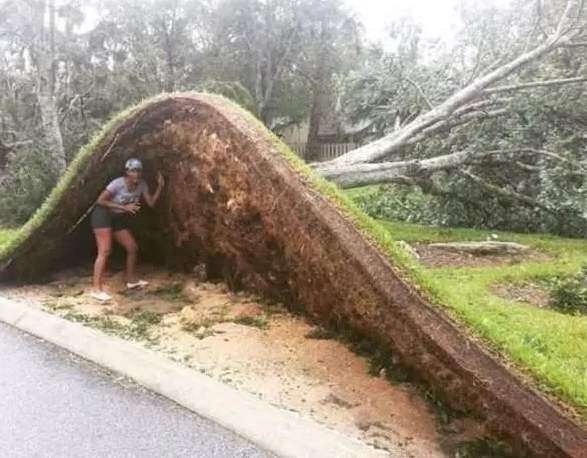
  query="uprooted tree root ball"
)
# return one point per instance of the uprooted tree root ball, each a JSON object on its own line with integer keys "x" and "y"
{"x": 235, "y": 203}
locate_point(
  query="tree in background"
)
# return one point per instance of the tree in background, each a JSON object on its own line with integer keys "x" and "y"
{"x": 255, "y": 42}
{"x": 33, "y": 74}
{"x": 331, "y": 46}
{"x": 490, "y": 126}
{"x": 30, "y": 36}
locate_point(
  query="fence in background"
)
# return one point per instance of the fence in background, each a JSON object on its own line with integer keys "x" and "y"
{"x": 327, "y": 150}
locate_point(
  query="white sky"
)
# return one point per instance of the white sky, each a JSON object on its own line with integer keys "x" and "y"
{"x": 438, "y": 18}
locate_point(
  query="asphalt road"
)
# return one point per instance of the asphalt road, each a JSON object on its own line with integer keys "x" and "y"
{"x": 54, "y": 404}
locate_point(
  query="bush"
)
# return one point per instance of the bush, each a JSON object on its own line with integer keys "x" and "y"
{"x": 477, "y": 210}
{"x": 398, "y": 204}
{"x": 570, "y": 295}
{"x": 29, "y": 181}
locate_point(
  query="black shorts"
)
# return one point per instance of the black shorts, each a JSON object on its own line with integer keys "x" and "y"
{"x": 102, "y": 217}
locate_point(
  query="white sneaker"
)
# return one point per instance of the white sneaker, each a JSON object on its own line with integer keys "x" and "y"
{"x": 102, "y": 296}
{"x": 137, "y": 284}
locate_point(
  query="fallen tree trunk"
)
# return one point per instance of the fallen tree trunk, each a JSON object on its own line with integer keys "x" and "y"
{"x": 482, "y": 248}
{"x": 569, "y": 27}
{"x": 238, "y": 202}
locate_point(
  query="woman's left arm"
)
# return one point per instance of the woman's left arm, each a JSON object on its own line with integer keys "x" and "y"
{"x": 152, "y": 199}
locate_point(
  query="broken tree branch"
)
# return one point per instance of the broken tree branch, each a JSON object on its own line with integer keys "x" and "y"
{"x": 397, "y": 140}
{"x": 516, "y": 87}
{"x": 505, "y": 194}
{"x": 348, "y": 176}
{"x": 421, "y": 92}
{"x": 447, "y": 125}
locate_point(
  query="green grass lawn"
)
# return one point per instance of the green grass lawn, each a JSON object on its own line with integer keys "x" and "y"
{"x": 5, "y": 236}
{"x": 548, "y": 345}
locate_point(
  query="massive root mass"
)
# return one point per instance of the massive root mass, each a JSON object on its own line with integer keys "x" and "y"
{"x": 234, "y": 202}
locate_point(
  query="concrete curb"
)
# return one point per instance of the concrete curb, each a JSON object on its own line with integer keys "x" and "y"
{"x": 278, "y": 431}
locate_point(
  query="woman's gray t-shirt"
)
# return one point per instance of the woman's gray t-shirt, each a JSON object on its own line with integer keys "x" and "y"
{"x": 122, "y": 195}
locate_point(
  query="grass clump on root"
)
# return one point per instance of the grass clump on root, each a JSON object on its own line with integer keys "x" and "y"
{"x": 55, "y": 306}
{"x": 483, "y": 448}
{"x": 137, "y": 329}
{"x": 195, "y": 326}
{"x": 171, "y": 293}
{"x": 320, "y": 333}
{"x": 103, "y": 323}
{"x": 253, "y": 321}
{"x": 141, "y": 323}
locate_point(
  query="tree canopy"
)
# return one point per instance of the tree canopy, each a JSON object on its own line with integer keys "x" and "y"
{"x": 491, "y": 127}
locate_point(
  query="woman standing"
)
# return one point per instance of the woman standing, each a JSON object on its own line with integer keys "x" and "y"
{"x": 112, "y": 218}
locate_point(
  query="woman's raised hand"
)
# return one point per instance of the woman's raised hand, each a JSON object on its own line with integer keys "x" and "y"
{"x": 160, "y": 180}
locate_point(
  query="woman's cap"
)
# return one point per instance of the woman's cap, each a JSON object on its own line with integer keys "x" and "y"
{"x": 134, "y": 164}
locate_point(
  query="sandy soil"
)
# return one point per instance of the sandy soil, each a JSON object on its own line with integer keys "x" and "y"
{"x": 438, "y": 257}
{"x": 259, "y": 348}
{"x": 529, "y": 293}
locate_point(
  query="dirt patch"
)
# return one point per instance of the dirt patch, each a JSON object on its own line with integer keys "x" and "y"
{"x": 530, "y": 293}
{"x": 438, "y": 257}
{"x": 260, "y": 348}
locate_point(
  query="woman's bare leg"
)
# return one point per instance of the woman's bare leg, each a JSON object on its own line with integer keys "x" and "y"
{"x": 104, "y": 244}
{"x": 126, "y": 239}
